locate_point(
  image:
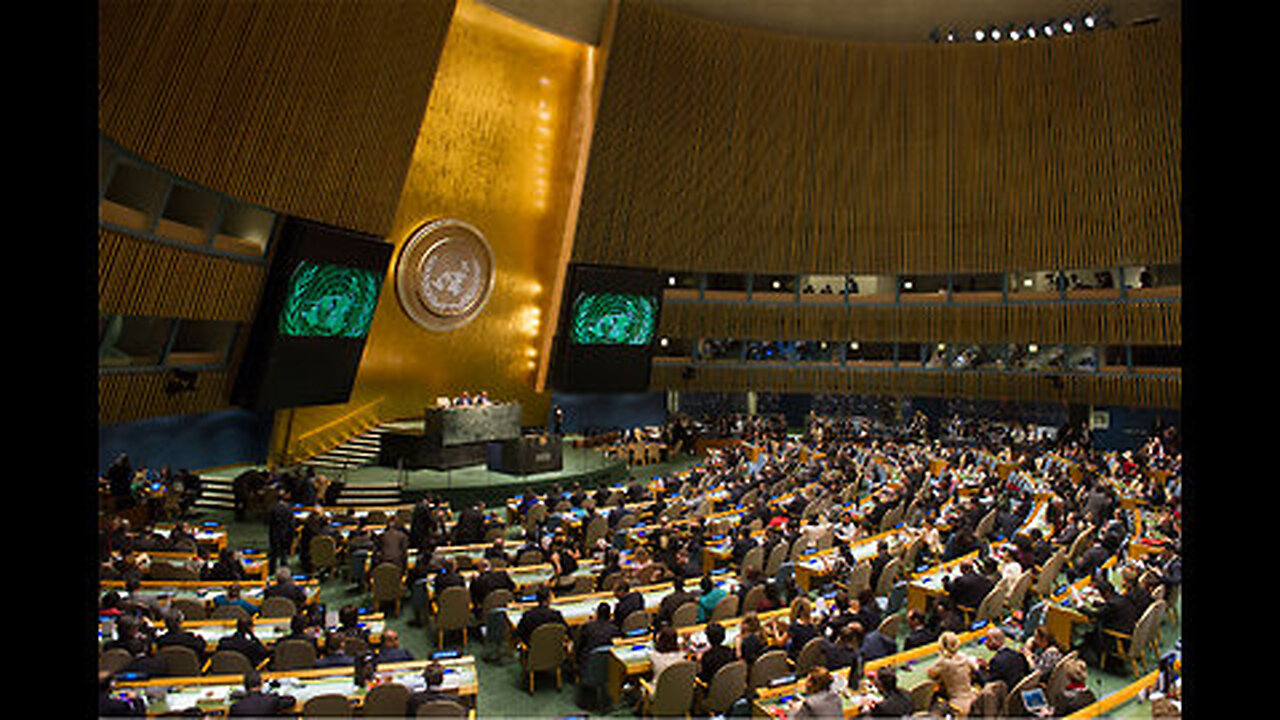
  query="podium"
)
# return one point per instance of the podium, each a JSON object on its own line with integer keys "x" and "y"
{"x": 450, "y": 437}
{"x": 527, "y": 455}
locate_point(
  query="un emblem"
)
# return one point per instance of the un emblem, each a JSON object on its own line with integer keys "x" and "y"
{"x": 445, "y": 274}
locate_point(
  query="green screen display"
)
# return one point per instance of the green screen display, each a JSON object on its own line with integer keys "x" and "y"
{"x": 614, "y": 319}
{"x": 329, "y": 301}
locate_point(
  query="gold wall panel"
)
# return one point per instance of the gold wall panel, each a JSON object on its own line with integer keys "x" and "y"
{"x": 725, "y": 149}
{"x": 498, "y": 147}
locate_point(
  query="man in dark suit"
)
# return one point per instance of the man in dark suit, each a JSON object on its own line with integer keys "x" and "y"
{"x": 1005, "y": 663}
{"x": 336, "y": 654}
{"x": 674, "y": 599}
{"x": 281, "y": 526}
{"x": 257, "y": 703}
{"x": 471, "y": 526}
{"x": 716, "y": 656}
{"x": 176, "y": 635}
{"x": 538, "y": 615}
{"x": 447, "y": 577}
{"x": 599, "y": 632}
{"x": 245, "y": 642}
{"x": 919, "y": 632}
{"x": 393, "y": 545}
{"x": 284, "y": 586}
{"x": 882, "y": 558}
{"x": 433, "y": 674}
{"x": 1117, "y": 613}
{"x": 487, "y": 580}
{"x": 1090, "y": 560}
{"x": 969, "y": 588}
{"x": 629, "y": 601}
{"x": 895, "y": 703}
{"x": 390, "y": 650}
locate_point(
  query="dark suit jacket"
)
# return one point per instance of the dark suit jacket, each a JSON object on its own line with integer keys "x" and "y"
{"x": 716, "y": 657}
{"x": 1117, "y": 613}
{"x": 752, "y": 647}
{"x": 260, "y": 704}
{"x": 875, "y": 646}
{"x": 470, "y": 527}
{"x": 672, "y": 602}
{"x": 488, "y": 581}
{"x": 425, "y": 696}
{"x": 338, "y": 659}
{"x": 1007, "y": 665}
{"x": 920, "y": 636}
{"x": 535, "y": 616}
{"x": 801, "y": 634}
{"x": 250, "y": 647}
{"x": 390, "y": 655}
{"x": 446, "y": 580}
{"x": 593, "y": 635}
{"x": 895, "y": 705}
{"x": 185, "y": 638}
{"x": 969, "y": 589}
{"x": 627, "y": 604}
{"x": 291, "y": 591}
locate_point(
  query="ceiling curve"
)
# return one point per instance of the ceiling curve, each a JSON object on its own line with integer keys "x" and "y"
{"x": 849, "y": 20}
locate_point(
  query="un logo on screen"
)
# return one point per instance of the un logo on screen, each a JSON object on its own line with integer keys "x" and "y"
{"x": 445, "y": 274}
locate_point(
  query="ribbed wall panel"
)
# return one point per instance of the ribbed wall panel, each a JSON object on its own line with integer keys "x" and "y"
{"x": 1139, "y": 323}
{"x": 307, "y": 108}
{"x": 144, "y": 278}
{"x": 719, "y": 148}
{"x": 1101, "y": 389}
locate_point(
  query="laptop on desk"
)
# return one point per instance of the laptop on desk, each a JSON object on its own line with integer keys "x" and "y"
{"x": 1034, "y": 701}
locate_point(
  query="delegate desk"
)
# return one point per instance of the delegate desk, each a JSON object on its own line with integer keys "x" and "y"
{"x": 211, "y": 537}
{"x": 928, "y": 585}
{"x": 204, "y": 591}
{"x": 912, "y": 666}
{"x": 214, "y": 694}
{"x": 450, "y": 437}
{"x": 267, "y": 630}
{"x": 175, "y": 565}
{"x": 1073, "y": 606}
{"x": 809, "y": 570}
{"x": 579, "y": 609}
{"x": 527, "y": 578}
{"x": 629, "y": 657}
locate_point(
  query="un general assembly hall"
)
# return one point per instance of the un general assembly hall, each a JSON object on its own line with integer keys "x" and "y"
{"x": 639, "y": 358}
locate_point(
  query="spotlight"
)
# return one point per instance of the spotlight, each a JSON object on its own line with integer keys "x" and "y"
{"x": 995, "y": 34}
{"x": 1089, "y": 22}
{"x": 1014, "y": 34}
{"x": 671, "y": 279}
{"x": 1031, "y": 32}
{"x": 664, "y": 342}
{"x": 979, "y": 35}
{"x": 1067, "y": 27}
{"x": 1048, "y": 29}
{"x": 951, "y": 35}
